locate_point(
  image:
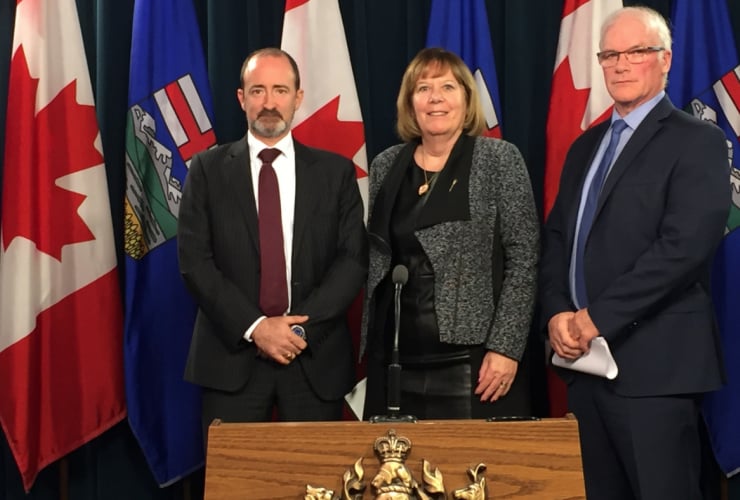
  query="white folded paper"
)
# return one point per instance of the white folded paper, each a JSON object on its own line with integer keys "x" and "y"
{"x": 597, "y": 361}
{"x": 356, "y": 398}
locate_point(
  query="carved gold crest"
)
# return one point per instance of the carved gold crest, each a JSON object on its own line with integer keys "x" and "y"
{"x": 394, "y": 481}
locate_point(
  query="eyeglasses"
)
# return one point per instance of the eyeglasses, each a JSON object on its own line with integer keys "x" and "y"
{"x": 609, "y": 58}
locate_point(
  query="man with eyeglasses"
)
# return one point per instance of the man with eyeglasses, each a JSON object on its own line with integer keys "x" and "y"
{"x": 642, "y": 206}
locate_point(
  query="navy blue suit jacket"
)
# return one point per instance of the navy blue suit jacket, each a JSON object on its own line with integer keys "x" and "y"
{"x": 660, "y": 216}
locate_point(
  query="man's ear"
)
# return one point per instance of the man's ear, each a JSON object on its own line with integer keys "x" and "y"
{"x": 667, "y": 58}
{"x": 240, "y": 98}
{"x": 298, "y": 98}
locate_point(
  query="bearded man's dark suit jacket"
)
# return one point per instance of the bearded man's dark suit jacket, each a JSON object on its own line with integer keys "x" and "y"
{"x": 660, "y": 215}
{"x": 218, "y": 250}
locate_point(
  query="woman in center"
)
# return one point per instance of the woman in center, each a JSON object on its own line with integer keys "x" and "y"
{"x": 456, "y": 209}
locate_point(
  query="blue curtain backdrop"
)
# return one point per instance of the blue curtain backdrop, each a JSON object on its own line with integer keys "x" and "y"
{"x": 382, "y": 35}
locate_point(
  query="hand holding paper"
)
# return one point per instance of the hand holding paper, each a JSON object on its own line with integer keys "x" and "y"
{"x": 598, "y": 361}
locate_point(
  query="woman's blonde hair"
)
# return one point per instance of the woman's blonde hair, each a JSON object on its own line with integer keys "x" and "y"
{"x": 431, "y": 62}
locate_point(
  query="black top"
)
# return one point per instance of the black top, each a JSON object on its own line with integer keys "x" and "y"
{"x": 419, "y": 335}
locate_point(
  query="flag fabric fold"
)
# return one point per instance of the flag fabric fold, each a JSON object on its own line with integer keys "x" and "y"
{"x": 168, "y": 121}
{"x": 61, "y": 325}
{"x": 461, "y": 26}
{"x": 578, "y": 100}
{"x": 705, "y": 81}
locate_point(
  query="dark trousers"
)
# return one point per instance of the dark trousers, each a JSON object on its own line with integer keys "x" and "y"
{"x": 271, "y": 388}
{"x": 636, "y": 448}
{"x": 444, "y": 390}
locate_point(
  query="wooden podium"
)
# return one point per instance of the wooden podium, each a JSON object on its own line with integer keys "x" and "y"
{"x": 527, "y": 460}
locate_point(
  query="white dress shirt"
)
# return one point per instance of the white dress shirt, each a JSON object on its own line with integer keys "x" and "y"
{"x": 284, "y": 166}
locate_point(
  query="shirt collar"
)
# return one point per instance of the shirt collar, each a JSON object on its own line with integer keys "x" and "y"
{"x": 285, "y": 145}
{"x": 635, "y": 117}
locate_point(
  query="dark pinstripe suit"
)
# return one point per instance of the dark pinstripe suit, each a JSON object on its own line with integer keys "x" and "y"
{"x": 218, "y": 248}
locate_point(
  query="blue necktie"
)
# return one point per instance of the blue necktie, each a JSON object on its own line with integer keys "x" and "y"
{"x": 589, "y": 210}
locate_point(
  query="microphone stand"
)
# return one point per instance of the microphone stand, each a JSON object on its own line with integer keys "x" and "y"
{"x": 400, "y": 276}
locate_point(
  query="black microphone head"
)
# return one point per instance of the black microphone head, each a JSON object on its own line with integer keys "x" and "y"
{"x": 400, "y": 275}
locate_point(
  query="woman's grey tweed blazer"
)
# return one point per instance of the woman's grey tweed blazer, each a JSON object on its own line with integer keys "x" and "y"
{"x": 461, "y": 253}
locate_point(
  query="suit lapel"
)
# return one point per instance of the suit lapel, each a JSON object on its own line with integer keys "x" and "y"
{"x": 238, "y": 173}
{"x": 379, "y": 221}
{"x": 305, "y": 185}
{"x": 449, "y": 199}
{"x": 641, "y": 137}
{"x": 588, "y": 152}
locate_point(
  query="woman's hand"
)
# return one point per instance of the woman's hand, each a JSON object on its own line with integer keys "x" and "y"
{"x": 496, "y": 375}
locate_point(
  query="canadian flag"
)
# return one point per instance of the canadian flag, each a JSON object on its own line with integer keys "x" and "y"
{"x": 578, "y": 100}
{"x": 61, "y": 375}
{"x": 330, "y": 117}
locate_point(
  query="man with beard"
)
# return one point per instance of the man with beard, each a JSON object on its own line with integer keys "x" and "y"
{"x": 272, "y": 246}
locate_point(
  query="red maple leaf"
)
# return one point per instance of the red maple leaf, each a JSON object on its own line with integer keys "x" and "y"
{"x": 39, "y": 149}
{"x": 324, "y": 130}
{"x": 567, "y": 107}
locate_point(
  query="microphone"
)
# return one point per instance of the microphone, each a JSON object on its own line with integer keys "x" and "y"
{"x": 400, "y": 276}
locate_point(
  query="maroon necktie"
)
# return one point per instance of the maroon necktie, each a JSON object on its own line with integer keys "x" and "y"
{"x": 273, "y": 285}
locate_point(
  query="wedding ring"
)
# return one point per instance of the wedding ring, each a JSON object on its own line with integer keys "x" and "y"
{"x": 504, "y": 384}
{"x": 290, "y": 356}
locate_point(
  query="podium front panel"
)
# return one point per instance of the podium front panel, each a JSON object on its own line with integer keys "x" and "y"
{"x": 524, "y": 460}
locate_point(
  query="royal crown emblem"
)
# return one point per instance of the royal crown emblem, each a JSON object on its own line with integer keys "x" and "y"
{"x": 392, "y": 448}
{"x": 394, "y": 481}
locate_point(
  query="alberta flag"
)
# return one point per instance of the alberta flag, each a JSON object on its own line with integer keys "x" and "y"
{"x": 705, "y": 80}
{"x": 461, "y": 26}
{"x": 61, "y": 323}
{"x": 168, "y": 121}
